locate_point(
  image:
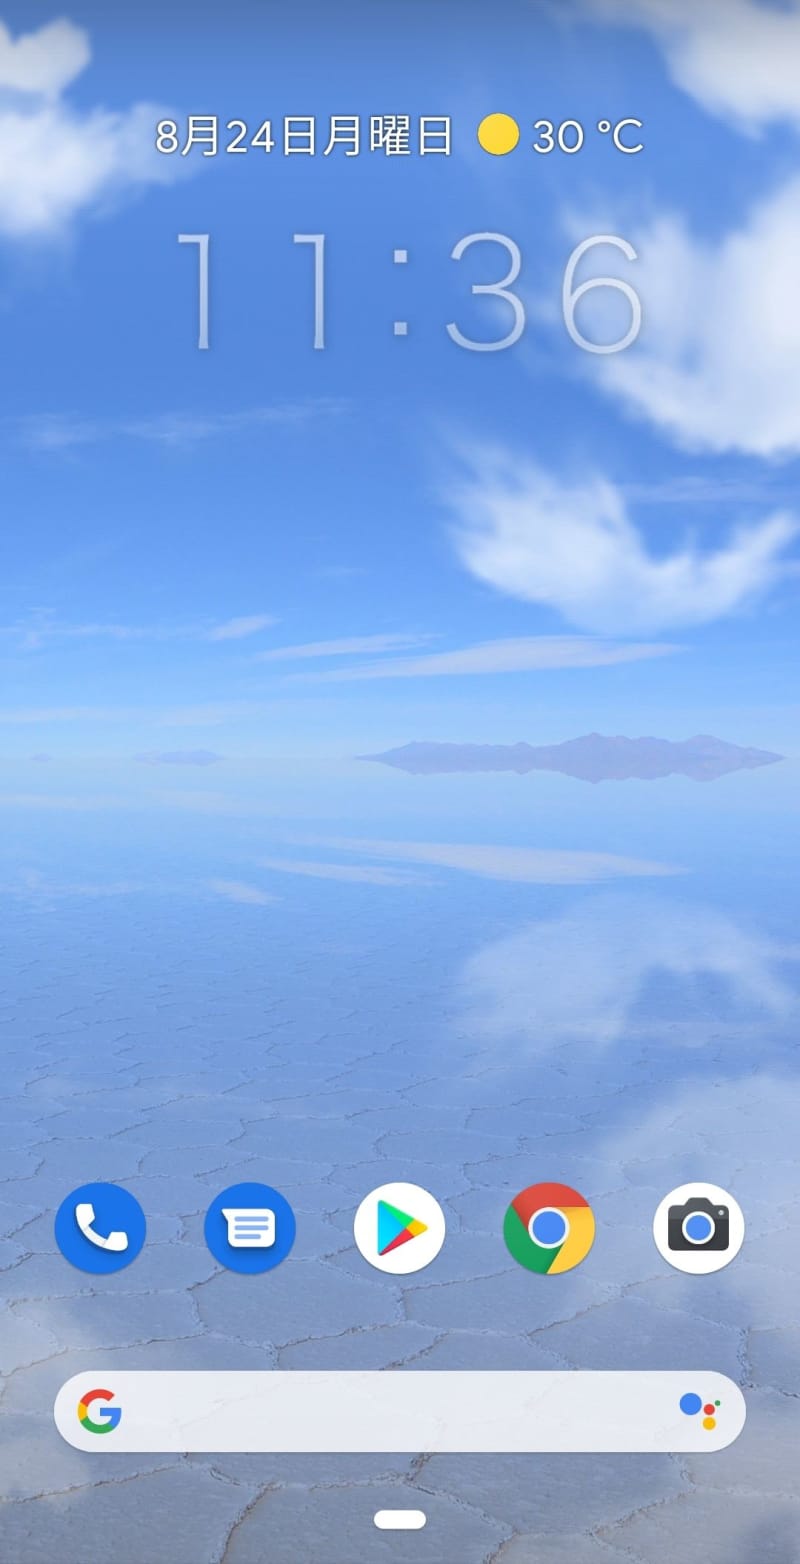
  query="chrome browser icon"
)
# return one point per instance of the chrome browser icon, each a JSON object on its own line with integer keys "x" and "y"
{"x": 549, "y": 1228}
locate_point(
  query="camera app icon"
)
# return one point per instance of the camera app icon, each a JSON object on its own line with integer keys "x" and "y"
{"x": 699, "y": 1224}
{"x": 698, "y": 1228}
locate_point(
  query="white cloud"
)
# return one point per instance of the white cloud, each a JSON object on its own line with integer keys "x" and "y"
{"x": 44, "y": 62}
{"x": 525, "y": 654}
{"x": 62, "y": 432}
{"x": 581, "y": 976}
{"x": 31, "y": 715}
{"x": 41, "y": 628}
{"x": 32, "y": 885}
{"x": 58, "y": 802}
{"x": 717, "y": 362}
{"x": 237, "y": 629}
{"x": 179, "y": 757}
{"x": 240, "y": 891}
{"x": 574, "y": 548}
{"x": 204, "y": 715}
{"x": 525, "y": 865}
{"x": 737, "y": 58}
{"x": 211, "y": 714}
{"x": 348, "y": 873}
{"x": 346, "y": 646}
{"x": 56, "y": 160}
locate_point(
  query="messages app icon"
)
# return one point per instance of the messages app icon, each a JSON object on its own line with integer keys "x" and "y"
{"x": 250, "y": 1228}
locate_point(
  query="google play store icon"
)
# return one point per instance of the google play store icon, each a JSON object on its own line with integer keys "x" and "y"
{"x": 396, "y": 1227}
{"x": 399, "y": 1228}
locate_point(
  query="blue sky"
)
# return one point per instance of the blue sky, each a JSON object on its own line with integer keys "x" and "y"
{"x": 522, "y": 544}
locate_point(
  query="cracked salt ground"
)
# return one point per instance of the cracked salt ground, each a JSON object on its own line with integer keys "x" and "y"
{"x": 470, "y": 1036}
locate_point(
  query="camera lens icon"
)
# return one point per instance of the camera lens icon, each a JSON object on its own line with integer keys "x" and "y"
{"x": 698, "y": 1228}
{"x": 698, "y": 1225}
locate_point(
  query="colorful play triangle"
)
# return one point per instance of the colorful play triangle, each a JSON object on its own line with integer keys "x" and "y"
{"x": 396, "y": 1227}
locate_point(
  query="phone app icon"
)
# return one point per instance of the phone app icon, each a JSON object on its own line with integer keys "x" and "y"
{"x": 250, "y": 1228}
{"x": 549, "y": 1228}
{"x": 698, "y": 1228}
{"x": 399, "y": 1228}
{"x": 100, "y": 1228}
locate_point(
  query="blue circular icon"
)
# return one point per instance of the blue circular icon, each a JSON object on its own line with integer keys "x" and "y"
{"x": 698, "y": 1228}
{"x": 690, "y": 1404}
{"x": 100, "y": 1228}
{"x": 250, "y": 1228}
{"x": 548, "y": 1227}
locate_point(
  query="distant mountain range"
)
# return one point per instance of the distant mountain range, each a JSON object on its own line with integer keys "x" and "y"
{"x": 592, "y": 758}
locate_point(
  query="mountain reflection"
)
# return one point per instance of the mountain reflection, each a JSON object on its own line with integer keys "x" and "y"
{"x": 592, "y": 758}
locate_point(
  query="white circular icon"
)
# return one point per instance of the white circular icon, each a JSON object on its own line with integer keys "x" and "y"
{"x": 698, "y": 1228}
{"x": 399, "y": 1228}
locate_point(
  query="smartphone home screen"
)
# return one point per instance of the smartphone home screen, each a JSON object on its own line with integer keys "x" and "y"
{"x": 399, "y": 411}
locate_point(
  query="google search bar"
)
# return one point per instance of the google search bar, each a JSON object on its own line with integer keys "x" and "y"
{"x": 393, "y": 1411}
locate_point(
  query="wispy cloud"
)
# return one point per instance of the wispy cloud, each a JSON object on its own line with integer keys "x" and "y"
{"x": 346, "y": 646}
{"x": 59, "y": 160}
{"x": 351, "y": 874}
{"x": 737, "y": 58}
{"x": 707, "y": 384}
{"x": 59, "y": 802}
{"x": 30, "y": 716}
{"x": 581, "y": 976}
{"x": 241, "y": 891}
{"x": 195, "y": 800}
{"x": 574, "y": 547}
{"x": 180, "y": 757}
{"x": 210, "y": 714}
{"x": 66, "y": 431}
{"x": 41, "y": 628}
{"x": 525, "y": 654}
{"x": 340, "y": 572}
{"x": 32, "y": 885}
{"x": 238, "y": 629}
{"x": 204, "y": 714}
{"x": 527, "y": 865}
{"x": 717, "y": 489}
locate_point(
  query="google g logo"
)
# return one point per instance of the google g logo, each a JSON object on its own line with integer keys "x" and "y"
{"x": 110, "y": 1416}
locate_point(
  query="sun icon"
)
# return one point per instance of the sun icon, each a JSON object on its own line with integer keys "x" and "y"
{"x": 498, "y": 134}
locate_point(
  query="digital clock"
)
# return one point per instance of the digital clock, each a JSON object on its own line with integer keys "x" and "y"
{"x": 502, "y": 288}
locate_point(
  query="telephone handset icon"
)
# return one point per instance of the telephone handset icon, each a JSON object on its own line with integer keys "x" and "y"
{"x": 100, "y": 1228}
{"x": 84, "y": 1216}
